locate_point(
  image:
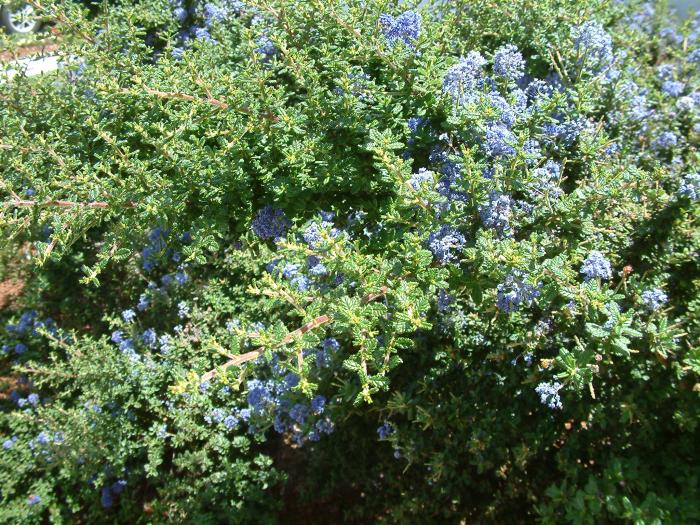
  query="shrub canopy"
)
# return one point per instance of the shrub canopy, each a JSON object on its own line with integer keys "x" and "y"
{"x": 355, "y": 260}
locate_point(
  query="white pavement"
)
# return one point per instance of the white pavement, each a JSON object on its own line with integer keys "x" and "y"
{"x": 33, "y": 66}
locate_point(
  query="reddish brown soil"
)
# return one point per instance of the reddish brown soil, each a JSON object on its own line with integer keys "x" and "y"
{"x": 9, "y": 291}
{"x": 37, "y": 49}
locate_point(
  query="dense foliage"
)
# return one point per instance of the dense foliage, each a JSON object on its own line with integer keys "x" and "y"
{"x": 353, "y": 262}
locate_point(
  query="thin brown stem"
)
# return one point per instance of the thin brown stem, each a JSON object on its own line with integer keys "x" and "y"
{"x": 64, "y": 204}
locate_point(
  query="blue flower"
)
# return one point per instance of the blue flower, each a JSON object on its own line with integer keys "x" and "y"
{"x": 548, "y": 179}
{"x": 496, "y": 213}
{"x": 331, "y": 344}
{"x": 318, "y": 404}
{"x": 118, "y": 486}
{"x": 508, "y": 62}
{"x": 421, "y": 179}
{"x": 180, "y": 14}
{"x": 690, "y": 187}
{"x": 593, "y": 45}
{"x": 230, "y": 422}
{"x": 149, "y": 337}
{"x": 33, "y": 499}
{"x": 20, "y": 348}
{"x": 665, "y": 140}
{"x": 446, "y": 244}
{"x": 638, "y": 108}
{"x": 8, "y": 443}
{"x": 654, "y": 298}
{"x": 665, "y": 71}
{"x": 596, "y": 266}
{"x": 117, "y": 336}
{"x": 143, "y": 303}
{"x": 325, "y": 426}
{"x": 33, "y": 399}
{"x": 673, "y": 88}
{"x": 270, "y": 223}
{"x": 415, "y": 123}
{"x": 164, "y": 343}
{"x": 514, "y": 291}
{"x": 260, "y": 395}
{"x": 694, "y": 56}
{"x": 444, "y": 300}
{"x": 464, "y": 77}
{"x": 128, "y": 315}
{"x": 265, "y": 47}
{"x": 183, "y": 309}
{"x": 106, "y": 497}
{"x": 316, "y": 268}
{"x": 404, "y": 28}
{"x": 299, "y": 413}
{"x": 508, "y": 113}
{"x": 549, "y": 394}
{"x": 499, "y": 141}
{"x": 202, "y": 33}
{"x": 672, "y": 35}
{"x": 532, "y": 151}
{"x": 214, "y": 13}
{"x": 215, "y": 416}
{"x": 385, "y": 430}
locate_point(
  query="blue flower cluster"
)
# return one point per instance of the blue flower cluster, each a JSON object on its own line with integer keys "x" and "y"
{"x": 596, "y": 266}
{"x": 499, "y": 141}
{"x": 385, "y": 430}
{"x": 270, "y": 223}
{"x": 43, "y": 443}
{"x": 404, "y": 28}
{"x": 673, "y": 88}
{"x": 28, "y": 325}
{"x": 547, "y": 180}
{"x": 654, "y": 298}
{"x": 157, "y": 252}
{"x": 265, "y": 46}
{"x": 549, "y": 394}
{"x": 422, "y": 180}
{"x": 126, "y": 345}
{"x": 271, "y": 399}
{"x": 514, "y": 292}
{"x": 448, "y": 184}
{"x": 594, "y": 47}
{"x": 508, "y": 63}
{"x": 32, "y": 400}
{"x": 497, "y": 212}
{"x": 690, "y": 187}
{"x": 317, "y": 232}
{"x": 211, "y": 14}
{"x": 291, "y": 272}
{"x": 107, "y": 492}
{"x": 462, "y": 79}
{"x": 446, "y": 244}
{"x": 666, "y": 140}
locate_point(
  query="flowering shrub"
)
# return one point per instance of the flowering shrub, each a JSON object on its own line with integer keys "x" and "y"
{"x": 387, "y": 263}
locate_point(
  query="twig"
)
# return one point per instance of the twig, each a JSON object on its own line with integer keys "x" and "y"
{"x": 221, "y": 104}
{"x": 319, "y": 321}
{"x": 64, "y": 204}
{"x": 243, "y": 358}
